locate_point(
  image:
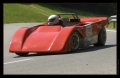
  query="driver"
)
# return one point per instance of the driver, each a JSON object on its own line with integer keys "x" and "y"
{"x": 54, "y": 20}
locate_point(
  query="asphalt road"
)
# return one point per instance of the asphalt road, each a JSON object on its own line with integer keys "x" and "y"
{"x": 91, "y": 61}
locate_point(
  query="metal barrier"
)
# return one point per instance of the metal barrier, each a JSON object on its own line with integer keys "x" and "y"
{"x": 113, "y": 19}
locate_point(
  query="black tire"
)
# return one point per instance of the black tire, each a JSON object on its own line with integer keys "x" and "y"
{"x": 75, "y": 41}
{"x": 101, "y": 37}
{"x": 21, "y": 54}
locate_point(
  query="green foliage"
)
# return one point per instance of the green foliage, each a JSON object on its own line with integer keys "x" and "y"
{"x": 98, "y": 8}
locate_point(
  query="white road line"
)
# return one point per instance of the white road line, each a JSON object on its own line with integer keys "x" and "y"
{"x": 18, "y": 61}
{"x": 111, "y": 30}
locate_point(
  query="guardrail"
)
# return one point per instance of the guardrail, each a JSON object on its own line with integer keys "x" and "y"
{"x": 113, "y": 19}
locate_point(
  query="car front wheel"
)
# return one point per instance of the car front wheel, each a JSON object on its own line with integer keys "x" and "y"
{"x": 75, "y": 41}
{"x": 21, "y": 54}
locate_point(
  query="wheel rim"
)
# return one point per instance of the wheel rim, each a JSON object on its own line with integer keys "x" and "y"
{"x": 75, "y": 41}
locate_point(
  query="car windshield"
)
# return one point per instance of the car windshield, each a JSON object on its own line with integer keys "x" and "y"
{"x": 66, "y": 16}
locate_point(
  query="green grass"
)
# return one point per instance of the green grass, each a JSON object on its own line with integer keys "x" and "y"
{"x": 112, "y": 25}
{"x": 14, "y": 13}
{"x": 22, "y": 13}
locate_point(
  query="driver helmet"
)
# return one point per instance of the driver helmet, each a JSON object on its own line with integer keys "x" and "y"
{"x": 53, "y": 19}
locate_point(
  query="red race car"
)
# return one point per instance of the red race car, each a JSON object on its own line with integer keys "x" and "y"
{"x": 73, "y": 34}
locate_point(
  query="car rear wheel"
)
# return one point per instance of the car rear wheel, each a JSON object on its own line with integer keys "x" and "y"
{"x": 101, "y": 37}
{"x": 75, "y": 41}
{"x": 21, "y": 54}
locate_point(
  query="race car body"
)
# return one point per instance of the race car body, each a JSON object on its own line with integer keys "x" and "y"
{"x": 77, "y": 33}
